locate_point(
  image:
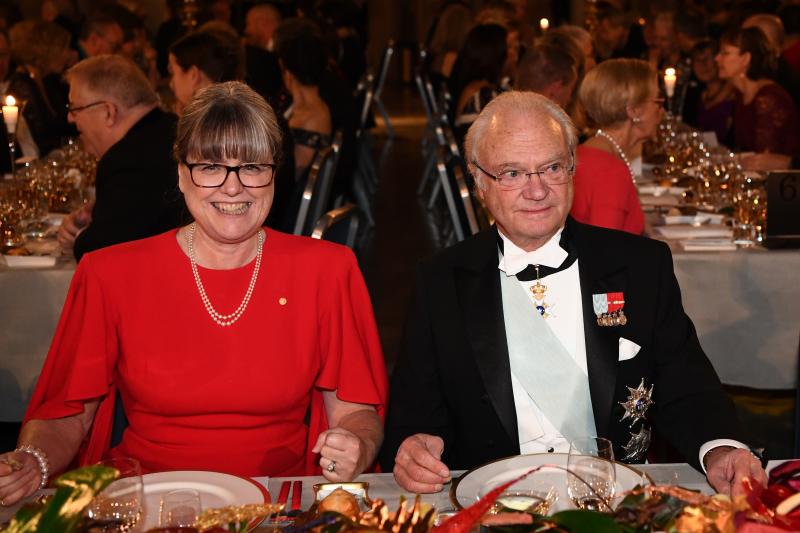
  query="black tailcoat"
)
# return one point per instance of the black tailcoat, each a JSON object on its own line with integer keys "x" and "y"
{"x": 453, "y": 378}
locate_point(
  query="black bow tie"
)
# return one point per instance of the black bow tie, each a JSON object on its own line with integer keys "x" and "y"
{"x": 534, "y": 272}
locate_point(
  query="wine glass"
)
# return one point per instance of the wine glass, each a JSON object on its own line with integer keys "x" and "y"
{"x": 179, "y": 508}
{"x": 119, "y": 507}
{"x": 749, "y": 206}
{"x": 591, "y": 476}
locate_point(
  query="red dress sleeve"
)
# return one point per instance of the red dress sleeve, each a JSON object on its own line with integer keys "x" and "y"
{"x": 352, "y": 359}
{"x": 775, "y": 121}
{"x": 80, "y": 363}
{"x": 605, "y": 195}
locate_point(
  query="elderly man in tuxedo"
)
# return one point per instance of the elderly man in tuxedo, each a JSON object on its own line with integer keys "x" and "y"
{"x": 541, "y": 330}
{"x": 116, "y": 111}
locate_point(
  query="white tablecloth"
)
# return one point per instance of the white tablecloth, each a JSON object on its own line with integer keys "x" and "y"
{"x": 746, "y": 308}
{"x": 30, "y": 305}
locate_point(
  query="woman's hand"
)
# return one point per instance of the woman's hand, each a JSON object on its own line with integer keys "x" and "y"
{"x": 351, "y": 444}
{"x": 19, "y": 477}
{"x": 343, "y": 454}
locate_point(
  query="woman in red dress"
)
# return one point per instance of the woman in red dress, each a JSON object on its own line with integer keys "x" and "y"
{"x": 621, "y": 98}
{"x": 233, "y": 347}
{"x": 765, "y": 117}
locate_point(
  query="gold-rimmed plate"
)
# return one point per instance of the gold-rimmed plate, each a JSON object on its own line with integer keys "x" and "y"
{"x": 475, "y": 483}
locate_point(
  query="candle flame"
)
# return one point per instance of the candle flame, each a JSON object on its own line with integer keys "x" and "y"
{"x": 544, "y": 23}
{"x": 10, "y": 100}
{"x": 670, "y": 71}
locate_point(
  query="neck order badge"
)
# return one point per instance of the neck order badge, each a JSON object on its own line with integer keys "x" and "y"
{"x": 608, "y": 308}
{"x": 538, "y": 290}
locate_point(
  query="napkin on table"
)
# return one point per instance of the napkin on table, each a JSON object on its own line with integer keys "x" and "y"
{"x": 694, "y": 232}
{"x": 30, "y": 261}
{"x": 708, "y": 245}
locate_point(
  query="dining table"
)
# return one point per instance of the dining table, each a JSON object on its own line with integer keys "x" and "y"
{"x": 31, "y": 300}
{"x": 744, "y": 299}
{"x": 383, "y": 486}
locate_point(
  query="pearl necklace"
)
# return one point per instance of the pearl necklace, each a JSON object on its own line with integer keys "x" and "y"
{"x": 622, "y": 155}
{"x": 219, "y": 318}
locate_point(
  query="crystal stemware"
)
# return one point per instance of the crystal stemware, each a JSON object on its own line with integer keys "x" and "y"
{"x": 119, "y": 507}
{"x": 591, "y": 476}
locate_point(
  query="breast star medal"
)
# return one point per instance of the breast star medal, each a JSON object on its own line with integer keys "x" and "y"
{"x": 637, "y": 446}
{"x": 638, "y": 402}
{"x": 538, "y": 290}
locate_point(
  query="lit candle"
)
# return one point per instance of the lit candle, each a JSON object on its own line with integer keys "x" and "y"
{"x": 669, "y": 81}
{"x": 10, "y": 114}
{"x": 544, "y": 24}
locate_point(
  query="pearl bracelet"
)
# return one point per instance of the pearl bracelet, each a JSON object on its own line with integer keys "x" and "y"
{"x": 41, "y": 458}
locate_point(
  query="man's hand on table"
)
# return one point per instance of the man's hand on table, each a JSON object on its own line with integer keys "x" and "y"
{"x": 726, "y": 467}
{"x": 417, "y": 466}
{"x": 19, "y": 477}
{"x": 72, "y": 225}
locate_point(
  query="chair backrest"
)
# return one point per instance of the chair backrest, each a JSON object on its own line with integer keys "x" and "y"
{"x": 365, "y": 94}
{"x": 464, "y": 193}
{"x": 449, "y": 191}
{"x": 450, "y": 140}
{"x": 456, "y": 188}
{"x": 338, "y": 225}
{"x": 384, "y": 68}
{"x": 327, "y": 172}
{"x": 420, "y": 80}
{"x": 317, "y": 192}
{"x": 310, "y": 190}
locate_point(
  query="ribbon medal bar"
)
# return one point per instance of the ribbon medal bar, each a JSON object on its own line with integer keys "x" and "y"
{"x": 608, "y": 308}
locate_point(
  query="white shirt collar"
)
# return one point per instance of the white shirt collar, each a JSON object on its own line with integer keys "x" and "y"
{"x": 515, "y": 259}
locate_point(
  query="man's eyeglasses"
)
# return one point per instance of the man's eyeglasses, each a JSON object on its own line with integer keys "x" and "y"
{"x": 556, "y": 173}
{"x": 211, "y": 175}
{"x": 74, "y": 109}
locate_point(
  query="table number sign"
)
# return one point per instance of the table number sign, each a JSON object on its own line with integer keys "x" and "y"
{"x": 783, "y": 209}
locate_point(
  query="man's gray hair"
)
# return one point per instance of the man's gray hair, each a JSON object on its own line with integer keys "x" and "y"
{"x": 518, "y": 103}
{"x": 114, "y": 77}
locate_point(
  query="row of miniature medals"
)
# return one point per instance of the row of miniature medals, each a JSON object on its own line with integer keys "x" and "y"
{"x": 609, "y": 310}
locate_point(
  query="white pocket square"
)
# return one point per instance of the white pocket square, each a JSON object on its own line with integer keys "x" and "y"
{"x": 627, "y": 349}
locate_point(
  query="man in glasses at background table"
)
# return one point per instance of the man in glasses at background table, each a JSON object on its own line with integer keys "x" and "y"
{"x": 542, "y": 330}
{"x": 116, "y": 111}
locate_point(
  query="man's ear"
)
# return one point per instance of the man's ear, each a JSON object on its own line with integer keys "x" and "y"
{"x": 112, "y": 113}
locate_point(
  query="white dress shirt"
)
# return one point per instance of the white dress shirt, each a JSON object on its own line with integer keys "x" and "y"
{"x": 536, "y": 433}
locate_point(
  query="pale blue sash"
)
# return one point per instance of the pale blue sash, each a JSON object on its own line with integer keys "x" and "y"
{"x": 543, "y": 366}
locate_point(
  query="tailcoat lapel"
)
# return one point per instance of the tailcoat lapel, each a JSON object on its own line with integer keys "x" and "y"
{"x": 600, "y": 272}
{"x": 478, "y": 284}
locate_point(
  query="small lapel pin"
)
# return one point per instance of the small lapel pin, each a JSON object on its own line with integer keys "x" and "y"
{"x": 282, "y": 300}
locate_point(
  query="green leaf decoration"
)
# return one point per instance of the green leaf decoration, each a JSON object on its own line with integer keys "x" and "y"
{"x": 63, "y": 511}
{"x": 578, "y": 521}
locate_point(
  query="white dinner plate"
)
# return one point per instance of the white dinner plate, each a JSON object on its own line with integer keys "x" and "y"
{"x": 476, "y": 483}
{"x": 216, "y": 490}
